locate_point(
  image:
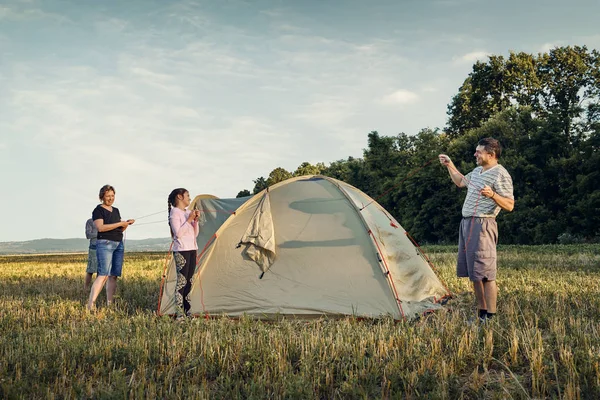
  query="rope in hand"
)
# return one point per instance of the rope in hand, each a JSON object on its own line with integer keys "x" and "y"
{"x": 149, "y": 223}
{"x": 162, "y": 211}
{"x": 199, "y": 209}
{"x": 149, "y": 215}
{"x": 163, "y": 221}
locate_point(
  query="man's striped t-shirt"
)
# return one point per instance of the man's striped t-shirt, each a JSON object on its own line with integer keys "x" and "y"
{"x": 478, "y": 205}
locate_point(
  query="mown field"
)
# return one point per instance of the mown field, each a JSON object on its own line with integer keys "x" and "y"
{"x": 545, "y": 342}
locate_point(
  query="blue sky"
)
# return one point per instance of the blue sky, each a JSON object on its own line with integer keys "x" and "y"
{"x": 209, "y": 95}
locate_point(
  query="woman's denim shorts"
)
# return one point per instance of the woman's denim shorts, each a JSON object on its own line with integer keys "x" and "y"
{"x": 110, "y": 257}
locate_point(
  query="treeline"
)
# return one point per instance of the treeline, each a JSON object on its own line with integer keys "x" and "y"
{"x": 544, "y": 109}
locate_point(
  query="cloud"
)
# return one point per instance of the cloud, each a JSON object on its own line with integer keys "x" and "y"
{"x": 273, "y": 13}
{"x": 337, "y": 67}
{"x": 30, "y": 14}
{"x": 148, "y": 75}
{"x": 283, "y": 27}
{"x": 112, "y": 25}
{"x": 591, "y": 41}
{"x": 471, "y": 57}
{"x": 453, "y": 3}
{"x": 429, "y": 89}
{"x": 448, "y": 3}
{"x": 546, "y": 47}
{"x": 271, "y": 88}
{"x": 401, "y": 96}
{"x": 157, "y": 80}
{"x": 99, "y": 130}
{"x": 326, "y": 111}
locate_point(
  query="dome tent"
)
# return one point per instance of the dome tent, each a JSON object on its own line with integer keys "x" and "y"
{"x": 309, "y": 246}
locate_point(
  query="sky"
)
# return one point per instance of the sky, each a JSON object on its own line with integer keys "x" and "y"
{"x": 209, "y": 95}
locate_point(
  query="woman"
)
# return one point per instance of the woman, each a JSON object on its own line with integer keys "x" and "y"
{"x": 184, "y": 230}
{"x": 109, "y": 246}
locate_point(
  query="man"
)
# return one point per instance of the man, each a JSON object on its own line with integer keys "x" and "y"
{"x": 91, "y": 232}
{"x": 489, "y": 189}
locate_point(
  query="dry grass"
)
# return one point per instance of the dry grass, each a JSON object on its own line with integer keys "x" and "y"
{"x": 544, "y": 344}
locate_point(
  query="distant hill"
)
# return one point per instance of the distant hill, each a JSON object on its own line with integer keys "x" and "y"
{"x": 77, "y": 245}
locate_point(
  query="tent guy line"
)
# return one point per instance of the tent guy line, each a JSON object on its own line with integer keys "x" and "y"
{"x": 149, "y": 223}
{"x": 201, "y": 210}
{"x": 149, "y": 215}
{"x": 396, "y": 186}
{"x": 414, "y": 171}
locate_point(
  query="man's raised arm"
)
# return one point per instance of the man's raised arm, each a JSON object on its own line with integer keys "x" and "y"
{"x": 458, "y": 178}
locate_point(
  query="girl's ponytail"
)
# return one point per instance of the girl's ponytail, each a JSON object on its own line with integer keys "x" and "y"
{"x": 171, "y": 203}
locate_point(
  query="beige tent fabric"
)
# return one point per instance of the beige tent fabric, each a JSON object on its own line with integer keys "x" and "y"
{"x": 413, "y": 278}
{"x": 167, "y": 297}
{"x": 325, "y": 262}
{"x": 259, "y": 237}
{"x": 332, "y": 258}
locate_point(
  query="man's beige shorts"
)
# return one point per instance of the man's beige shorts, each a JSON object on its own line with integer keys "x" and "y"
{"x": 477, "y": 241}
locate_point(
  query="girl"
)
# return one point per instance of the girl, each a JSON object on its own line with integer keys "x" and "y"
{"x": 184, "y": 230}
{"x": 109, "y": 246}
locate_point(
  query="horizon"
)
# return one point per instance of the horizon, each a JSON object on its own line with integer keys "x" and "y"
{"x": 76, "y": 238}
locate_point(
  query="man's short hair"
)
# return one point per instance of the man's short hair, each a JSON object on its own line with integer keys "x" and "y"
{"x": 491, "y": 146}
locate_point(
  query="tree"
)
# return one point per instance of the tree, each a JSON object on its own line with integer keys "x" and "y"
{"x": 562, "y": 85}
{"x": 421, "y": 198}
{"x": 567, "y": 73}
{"x": 307, "y": 168}
{"x": 243, "y": 193}
{"x": 278, "y": 175}
{"x": 484, "y": 93}
{"x": 259, "y": 185}
{"x": 345, "y": 170}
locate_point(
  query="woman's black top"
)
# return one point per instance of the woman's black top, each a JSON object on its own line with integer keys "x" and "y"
{"x": 109, "y": 217}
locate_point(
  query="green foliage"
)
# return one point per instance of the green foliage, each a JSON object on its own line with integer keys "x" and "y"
{"x": 567, "y": 238}
{"x": 345, "y": 170}
{"x": 307, "y": 168}
{"x": 555, "y": 84}
{"x": 243, "y": 193}
{"x": 278, "y": 175}
{"x": 259, "y": 185}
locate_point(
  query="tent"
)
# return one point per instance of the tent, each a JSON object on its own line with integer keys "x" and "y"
{"x": 309, "y": 246}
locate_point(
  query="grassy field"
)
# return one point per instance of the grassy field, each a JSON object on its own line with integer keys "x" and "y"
{"x": 544, "y": 344}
